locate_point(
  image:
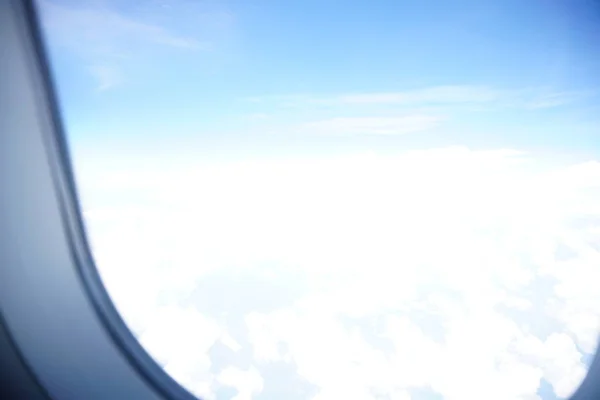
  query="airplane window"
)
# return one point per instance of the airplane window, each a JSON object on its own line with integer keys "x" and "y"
{"x": 324, "y": 200}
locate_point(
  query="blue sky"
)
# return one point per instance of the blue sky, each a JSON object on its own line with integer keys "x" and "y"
{"x": 327, "y": 199}
{"x": 252, "y": 75}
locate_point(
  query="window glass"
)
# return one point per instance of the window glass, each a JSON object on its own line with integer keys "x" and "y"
{"x": 327, "y": 200}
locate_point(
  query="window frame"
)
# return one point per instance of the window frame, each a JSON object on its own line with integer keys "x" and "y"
{"x": 54, "y": 307}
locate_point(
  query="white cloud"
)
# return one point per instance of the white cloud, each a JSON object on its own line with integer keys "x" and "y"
{"x": 176, "y": 335}
{"x": 408, "y": 264}
{"x": 230, "y": 342}
{"x": 247, "y": 382}
{"x": 559, "y": 360}
{"x": 106, "y": 76}
{"x": 563, "y": 368}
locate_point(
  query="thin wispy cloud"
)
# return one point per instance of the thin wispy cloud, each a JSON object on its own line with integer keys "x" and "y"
{"x": 432, "y": 95}
{"x": 373, "y": 125}
{"x": 106, "y": 38}
{"x": 435, "y": 96}
{"x": 106, "y": 76}
{"x": 558, "y": 99}
{"x": 403, "y": 112}
{"x": 97, "y": 26}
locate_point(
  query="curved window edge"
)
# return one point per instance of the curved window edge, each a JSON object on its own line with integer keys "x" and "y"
{"x": 56, "y": 149}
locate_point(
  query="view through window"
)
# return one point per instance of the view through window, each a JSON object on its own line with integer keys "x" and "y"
{"x": 342, "y": 200}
